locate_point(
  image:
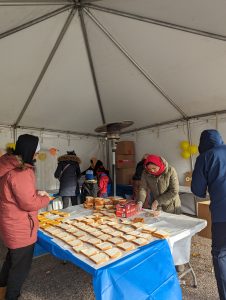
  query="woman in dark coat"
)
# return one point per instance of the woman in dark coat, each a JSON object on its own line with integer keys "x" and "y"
{"x": 68, "y": 173}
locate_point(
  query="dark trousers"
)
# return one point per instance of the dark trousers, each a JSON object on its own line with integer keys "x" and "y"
{"x": 15, "y": 270}
{"x": 69, "y": 200}
{"x": 219, "y": 256}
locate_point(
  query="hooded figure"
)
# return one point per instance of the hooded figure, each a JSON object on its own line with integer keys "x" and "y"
{"x": 19, "y": 205}
{"x": 162, "y": 181}
{"x": 68, "y": 173}
{"x": 210, "y": 172}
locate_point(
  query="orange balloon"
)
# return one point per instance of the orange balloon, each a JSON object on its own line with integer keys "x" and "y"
{"x": 53, "y": 151}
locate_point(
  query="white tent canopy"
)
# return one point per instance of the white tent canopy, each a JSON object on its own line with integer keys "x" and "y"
{"x": 73, "y": 65}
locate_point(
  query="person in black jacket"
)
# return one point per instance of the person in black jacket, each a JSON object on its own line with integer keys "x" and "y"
{"x": 137, "y": 176}
{"x": 68, "y": 173}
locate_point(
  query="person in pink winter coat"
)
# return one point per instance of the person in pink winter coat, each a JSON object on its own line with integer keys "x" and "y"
{"x": 19, "y": 205}
{"x": 103, "y": 181}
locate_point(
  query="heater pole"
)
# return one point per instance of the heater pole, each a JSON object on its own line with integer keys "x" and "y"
{"x": 113, "y": 148}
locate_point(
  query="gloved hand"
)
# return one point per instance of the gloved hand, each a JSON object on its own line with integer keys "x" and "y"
{"x": 154, "y": 205}
{"x": 43, "y": 193}
{"x": 140, "y": 205}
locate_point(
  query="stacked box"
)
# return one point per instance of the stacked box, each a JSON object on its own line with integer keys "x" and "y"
{"x": 125, "y": 162}
{"x": 204, "y": 213}
{"x": 126, "y": 210}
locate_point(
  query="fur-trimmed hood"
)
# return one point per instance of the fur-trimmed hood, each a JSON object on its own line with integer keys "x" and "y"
{"x": 67, "y": 157}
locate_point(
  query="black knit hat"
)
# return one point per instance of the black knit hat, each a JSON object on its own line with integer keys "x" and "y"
{"x": 26, "y": 146}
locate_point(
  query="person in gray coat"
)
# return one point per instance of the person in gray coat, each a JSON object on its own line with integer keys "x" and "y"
{"x": 68, "y": 173}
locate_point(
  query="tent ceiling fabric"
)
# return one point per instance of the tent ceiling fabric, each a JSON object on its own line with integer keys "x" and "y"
{"x": 71, "y": 103}
{"x": 206, "y": 15}
{"x": 14, "y": 16}
{"x": 122, "y": 87}
{"x": 144, "y": 72}
{"x": 21, "y": 61}
{"x": 190, "y": 68}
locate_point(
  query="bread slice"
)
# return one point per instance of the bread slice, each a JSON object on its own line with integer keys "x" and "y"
{"x": 138, "y": 220}
{"x": 99, "y": 258}
{"x": 94, "y": 241}
{"x": 89, "y": 251}
{"x": 72, "y": 229}
{"x": 96, "y": 233}
{"x": 85, "y": 238}
{"x": 116, "y": 240}
{"x": 108, "y": 230}
{"x": 137, "y": 225}
{"x": 160, "y": 234}
{"x": 146, "y": 236}
{"x": 148, "y": 229}
{"x": 79, "y": 248}
{"x": 68, "y": 237}
{"x": 126, "y": 229}
{"x": 135, "y": 233}
{"x": 75, "y": 243}
{"x": 113, "y": 252}
{"x": 116, "y": 233}
{"x": 129, "y": 237}
{"x": 60, "y": 235}
{"x": 140, "y": 241}
{"x": 79, "y": 233}
{"x": 126, "y": 246}
{"x": 104, "y": 246}
{"x": 104, "y": 237}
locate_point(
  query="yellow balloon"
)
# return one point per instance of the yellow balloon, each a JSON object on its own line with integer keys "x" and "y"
{"x": 193, "y": 149}
{"x": 185, "y": 154}
{"x": 184, "y": 145}
{"x": 11, "y": 146}
{"x": 42, "y": 156}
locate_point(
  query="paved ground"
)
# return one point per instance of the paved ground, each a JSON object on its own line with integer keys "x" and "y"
{"x": 50, "y": 279}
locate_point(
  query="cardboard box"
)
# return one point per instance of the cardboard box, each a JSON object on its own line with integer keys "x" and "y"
{"x": 124, "y": 161}
{"x": 125, "y": 147}
{"x": 126, "y": 210}
{"x": 204, "y": 213}
{"x": 124, "y": 176}
{"x": 187, "y": 178}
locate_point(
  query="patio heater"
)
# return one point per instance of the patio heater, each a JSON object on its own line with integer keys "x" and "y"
{"x": 112, "y": 133}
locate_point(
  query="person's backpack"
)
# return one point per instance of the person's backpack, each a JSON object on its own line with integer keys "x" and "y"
{"x": 89, "y": 189}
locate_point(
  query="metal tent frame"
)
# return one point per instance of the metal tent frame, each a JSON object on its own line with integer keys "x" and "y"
{"x": 83, "y": 7}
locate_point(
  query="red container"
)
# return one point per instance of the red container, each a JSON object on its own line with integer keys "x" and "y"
{"x": 126, "y": 210}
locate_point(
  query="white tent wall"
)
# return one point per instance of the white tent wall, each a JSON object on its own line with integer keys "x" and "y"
{"x": 165, "y": 140}
{"x": 84, "y": 146}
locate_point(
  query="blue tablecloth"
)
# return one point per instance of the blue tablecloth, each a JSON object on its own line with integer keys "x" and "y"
{"x": 147, "y": 274}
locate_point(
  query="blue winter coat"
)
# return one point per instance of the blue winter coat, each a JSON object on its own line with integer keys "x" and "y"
{"x": 210, "y": 172}
{"x": 68, "y": 173}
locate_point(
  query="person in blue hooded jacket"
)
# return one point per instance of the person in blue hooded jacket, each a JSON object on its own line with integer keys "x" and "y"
{"x": 210, "y": 173}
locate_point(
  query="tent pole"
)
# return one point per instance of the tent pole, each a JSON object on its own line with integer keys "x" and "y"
{"x": 86, "y": 40}
{"x": 113, "y": 149}
{"x": 47, "y": 63}
{"x": 158, "y": 22}
{"x": 129, "y": 57}
{"x": 60, "y": 131}
{"x": 35, "y": 21}
{"x": 32, "y": 3}
{"x": 190, "y": 142}
{"x": 220, "y": 112}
